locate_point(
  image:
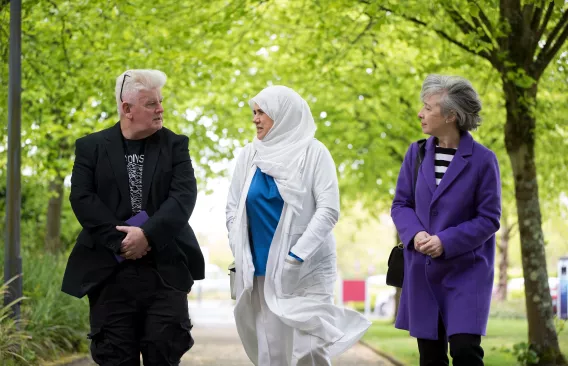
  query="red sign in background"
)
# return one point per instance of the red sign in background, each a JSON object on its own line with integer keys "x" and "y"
{"x": 353, "y": 290}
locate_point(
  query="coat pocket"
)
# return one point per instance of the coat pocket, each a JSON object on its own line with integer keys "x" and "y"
{"x": 291, "y": 277}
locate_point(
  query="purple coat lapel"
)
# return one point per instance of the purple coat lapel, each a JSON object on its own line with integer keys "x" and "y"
{"x": 457, "y": 165}
{"x": 427, "y": 167}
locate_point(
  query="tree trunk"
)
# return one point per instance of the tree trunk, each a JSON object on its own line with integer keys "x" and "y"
{"x": 503, "y": 252}
{"x": 398, "y": 290}
{"x": 53, "y": 222}
{"x": 520, "y": 141}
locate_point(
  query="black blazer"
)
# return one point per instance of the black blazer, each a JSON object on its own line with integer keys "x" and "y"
{"x": 100, "y": 199}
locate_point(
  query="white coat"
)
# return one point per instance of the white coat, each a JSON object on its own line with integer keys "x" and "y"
{"x": 293, "y": 292}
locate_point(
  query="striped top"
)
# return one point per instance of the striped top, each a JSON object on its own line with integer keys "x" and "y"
{"x": 443, "y": 158}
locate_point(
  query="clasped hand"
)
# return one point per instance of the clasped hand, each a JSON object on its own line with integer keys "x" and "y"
{"x": 428, "y": 244}
{"x": 134, "y": 245}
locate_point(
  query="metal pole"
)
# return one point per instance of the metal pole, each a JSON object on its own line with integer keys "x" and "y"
{"x": 12, "y": 259}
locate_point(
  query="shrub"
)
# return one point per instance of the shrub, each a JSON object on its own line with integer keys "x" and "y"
{"x": 57, "y": 322}
{"x": 15, "y": 340}
{"x": 53, "y": 323}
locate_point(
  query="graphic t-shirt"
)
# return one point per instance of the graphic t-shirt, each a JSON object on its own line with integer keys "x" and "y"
{"x": 134, "y": 156}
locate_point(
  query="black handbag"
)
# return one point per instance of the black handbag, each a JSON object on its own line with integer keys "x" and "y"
{"x": 395, "y": 271}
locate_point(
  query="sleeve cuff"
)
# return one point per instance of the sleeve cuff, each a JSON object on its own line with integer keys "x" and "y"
{"x": 115, "y": 247}
{"x": 295, "y": 257}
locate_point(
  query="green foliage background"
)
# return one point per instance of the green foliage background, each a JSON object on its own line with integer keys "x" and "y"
{"x": 358, "y": 65}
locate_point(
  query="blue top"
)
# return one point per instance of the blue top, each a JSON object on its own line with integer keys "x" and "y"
{"x": 264, "y": 208}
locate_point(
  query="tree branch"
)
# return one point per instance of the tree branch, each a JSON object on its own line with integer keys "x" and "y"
{"x": 52, "y": 3}
{"x": 536, "y": 16}
{"x": 341, "y": 53}
{"x": 549, "y": 50}
{"x": 544, "y": 23}
{"x": 485, "y": 19}
{"x": 370, "y": 25}
{"x": 63, "y": 43}
{"x": 39, "y": 76}
{"x": 466, "y": 27}
{"x": 557, "y": 29}
{"x": 395, "y": 154}
{"x": 460, "y": 21}
{"x": 512, "y": 229}
{"x": 443, "y": 34}
{"x": 514, "y": 6}
{"x": 528, "y": 13}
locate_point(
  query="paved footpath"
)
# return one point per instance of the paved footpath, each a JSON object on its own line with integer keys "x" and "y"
{"x": 217, "y": 341}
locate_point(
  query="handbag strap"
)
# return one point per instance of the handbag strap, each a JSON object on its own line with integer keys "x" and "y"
{"x": 419, "y": 159}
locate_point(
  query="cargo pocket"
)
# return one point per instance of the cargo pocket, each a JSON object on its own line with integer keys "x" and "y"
{"x": 101, "y": 349}
{"x": 181, "y": 342}
{"x": 166, "y": 344}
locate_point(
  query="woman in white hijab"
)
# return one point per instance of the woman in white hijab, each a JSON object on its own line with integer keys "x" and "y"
{"x": 282, "y": 206}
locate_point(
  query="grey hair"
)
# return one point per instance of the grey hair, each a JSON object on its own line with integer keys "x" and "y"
{"x": 135, "y": 81}
{"x": 457, "y": 97}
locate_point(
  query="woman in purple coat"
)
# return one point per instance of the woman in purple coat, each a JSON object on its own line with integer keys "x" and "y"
{"x": 447, "y": 224}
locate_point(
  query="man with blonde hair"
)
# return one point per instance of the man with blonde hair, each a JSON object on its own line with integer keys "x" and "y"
{"x": 133, "y": 190}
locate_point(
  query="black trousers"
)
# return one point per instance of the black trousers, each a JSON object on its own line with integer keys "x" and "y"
{"x": 134, "y": 312}
{"x": 465, "y": 349}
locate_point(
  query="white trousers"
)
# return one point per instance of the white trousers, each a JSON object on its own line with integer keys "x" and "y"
{"x": 279, "y": 344}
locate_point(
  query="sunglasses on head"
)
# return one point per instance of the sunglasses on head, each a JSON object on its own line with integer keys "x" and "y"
{"x": 122, "y": 87}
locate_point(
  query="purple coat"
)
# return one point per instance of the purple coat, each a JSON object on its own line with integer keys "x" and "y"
{"x": 464, "y": 211}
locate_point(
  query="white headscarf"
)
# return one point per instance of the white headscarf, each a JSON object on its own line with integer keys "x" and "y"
{"x": 281, "y": 151}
